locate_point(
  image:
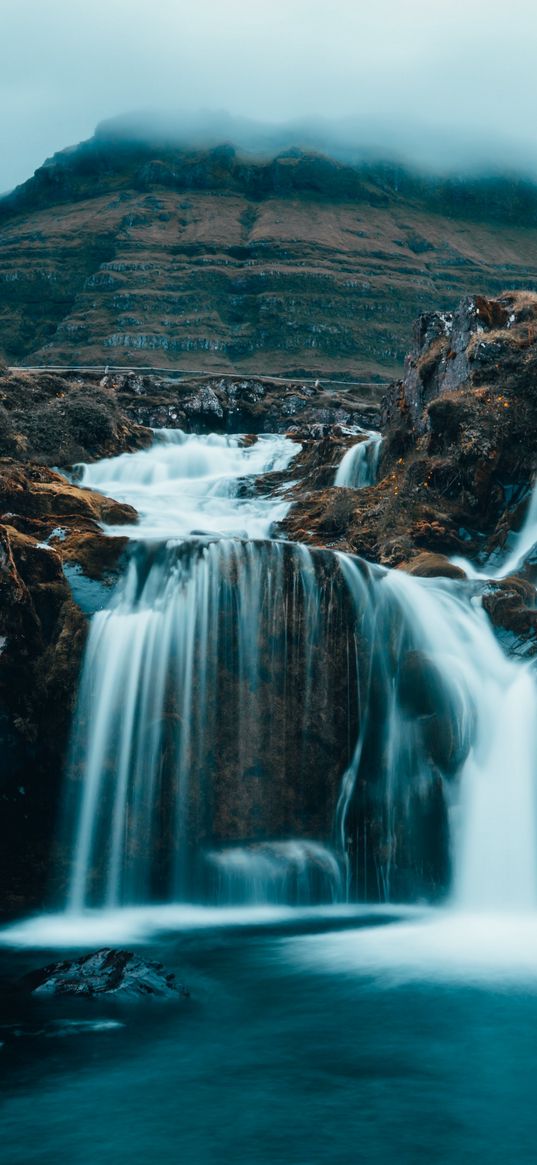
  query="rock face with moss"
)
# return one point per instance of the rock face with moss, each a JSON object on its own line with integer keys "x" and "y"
{"x": 48, "y": 529}
{"x": 459, "y": 453}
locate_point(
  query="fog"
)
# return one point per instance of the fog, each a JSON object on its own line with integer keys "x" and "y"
{"x": 447, "y": 86}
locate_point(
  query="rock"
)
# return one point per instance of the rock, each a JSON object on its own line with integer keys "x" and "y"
{"x": 117, "y": 974}
{"x": 429, "y": 565}
{"x": 510, "y": 604}
{"x": 459, "y": 448}
{"x": 204, "y": 405}
{"x": 445, "y": 351}
{"x": 59, "y": 419}
{"x": 47, "y": 527}
{"x": 250, "y": 405}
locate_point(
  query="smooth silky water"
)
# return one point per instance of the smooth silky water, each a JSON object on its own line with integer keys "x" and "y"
{"x": 359, "y": 465}
{"x": 314, "y": 1033}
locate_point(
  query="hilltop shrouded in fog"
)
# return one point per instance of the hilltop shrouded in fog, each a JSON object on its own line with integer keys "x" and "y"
{"x": 352, "y": 139}
{"x": 440, "y": 86}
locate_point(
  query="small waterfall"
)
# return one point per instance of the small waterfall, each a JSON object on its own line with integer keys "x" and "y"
{"x": 525, "y": 540}
{"x": 524, "y": 543}
{"x": 486, "y": 706}
{"x": 293, "y": 873}
{"x": 359, "y": 466}
{"x": 203, "y": 683}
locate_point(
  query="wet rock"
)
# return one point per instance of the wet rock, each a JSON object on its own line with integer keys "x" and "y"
{"x": 112, "y": 973}
{"x": 510, "y": 604}
{"x": 447, "y": 738}
{"x": 47, "y": 527}
{"x": 421, "y": 687}
{"x": 429, "y": 565}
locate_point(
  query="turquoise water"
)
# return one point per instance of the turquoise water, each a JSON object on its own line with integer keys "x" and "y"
{"x": 283, "y": 1054}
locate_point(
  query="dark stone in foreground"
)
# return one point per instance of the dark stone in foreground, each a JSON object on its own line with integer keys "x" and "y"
{"x": 105, "y": 972}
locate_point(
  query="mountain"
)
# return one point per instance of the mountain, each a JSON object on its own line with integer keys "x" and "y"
{"x": 148, "y": 252}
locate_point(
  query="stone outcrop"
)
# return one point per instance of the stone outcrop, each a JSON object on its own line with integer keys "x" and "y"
{"x": 248, "y": 405}
{"x": 459, "y": 454}
{"x": 107, "y": 973}
{"x": 57, "y": 419}
{"x": 46, "y": 525}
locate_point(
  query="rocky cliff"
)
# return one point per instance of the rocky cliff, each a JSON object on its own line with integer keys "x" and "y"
{"x": 131, "y": 253}
{"x": 458, "y": 460}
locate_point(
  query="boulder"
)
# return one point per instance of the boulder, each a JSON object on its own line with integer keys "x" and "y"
{"x": 117, "y": 974}
{"x": 429, "y": 565}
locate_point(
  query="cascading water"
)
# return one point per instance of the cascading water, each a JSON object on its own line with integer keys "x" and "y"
{"x": 486, "y": 706}
{"x": 229, "y": 670}
{"x": 298, "y": 871}
{"x": 186, "y": 484}
{"x": 524, "y": 543}
{"x": 359, "y": 466}
{"x": 186, "y": 723}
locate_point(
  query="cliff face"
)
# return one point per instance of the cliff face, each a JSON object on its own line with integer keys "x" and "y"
{"x": 123, "y": 253}
{"x": 459, "y": 455}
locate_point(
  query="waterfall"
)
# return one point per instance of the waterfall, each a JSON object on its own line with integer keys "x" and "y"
{"x": 204, "y": 679}
{"x": 184, "y": 710}
{"x": 491, "y": 703}
{"x": 296, "y": 872}
{"x": 359, "y": 466}
{"x": 258, "y": 722}
{"x": 524, "y": 542}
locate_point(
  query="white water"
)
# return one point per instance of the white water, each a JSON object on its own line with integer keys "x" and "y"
{"x": 359, "y": 466}
{"x": 525, "y": 541}
{"x": 490, "y": 950}
{"x": 295, "y": 871}
{"x": 186, "y": 484}
{"x": 140, "y": 924}
{"x": 192, "y": 609}
{"x": 495, "y": 847}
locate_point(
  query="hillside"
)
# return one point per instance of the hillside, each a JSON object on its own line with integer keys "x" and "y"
{"x": 132, "y": 253}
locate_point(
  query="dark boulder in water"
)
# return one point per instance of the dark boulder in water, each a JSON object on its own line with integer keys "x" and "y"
{"x": 106, "y": 972}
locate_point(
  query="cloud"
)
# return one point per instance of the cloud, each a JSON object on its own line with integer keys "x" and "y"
{"x": 441, "y": 82}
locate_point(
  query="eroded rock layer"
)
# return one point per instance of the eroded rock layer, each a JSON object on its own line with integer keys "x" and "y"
{"x": 134, "y": 254}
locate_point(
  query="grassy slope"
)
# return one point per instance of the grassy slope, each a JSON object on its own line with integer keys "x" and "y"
{"x": 216, "y": 281}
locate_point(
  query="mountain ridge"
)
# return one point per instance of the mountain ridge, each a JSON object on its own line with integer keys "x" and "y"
{"x": 126, "y": 252}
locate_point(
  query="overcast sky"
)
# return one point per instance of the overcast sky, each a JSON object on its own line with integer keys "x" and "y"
{"x": 445, "y": 80}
